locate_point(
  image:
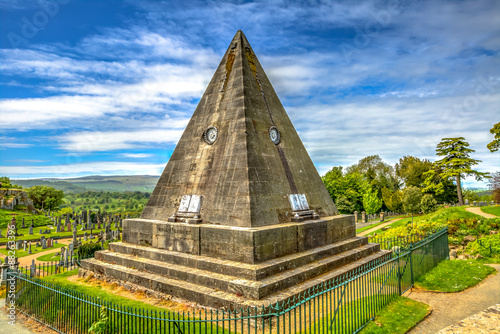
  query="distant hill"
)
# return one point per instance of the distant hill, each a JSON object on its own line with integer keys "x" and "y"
{"x": 144, "y": 183}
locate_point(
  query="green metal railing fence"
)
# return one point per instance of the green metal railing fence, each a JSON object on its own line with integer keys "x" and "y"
{"x": 341, "y": 305}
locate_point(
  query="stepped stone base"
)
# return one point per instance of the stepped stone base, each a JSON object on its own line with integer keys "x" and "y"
{"x": 247, "y": 245}
{"x": 223, "y": 282}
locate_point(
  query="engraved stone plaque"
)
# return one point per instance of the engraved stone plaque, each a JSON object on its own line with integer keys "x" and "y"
{"x": 303, "y": 202}
{"x": 294, "y": 202}
{"x": 183, "y": 207}
{"x": 195, "y": 204}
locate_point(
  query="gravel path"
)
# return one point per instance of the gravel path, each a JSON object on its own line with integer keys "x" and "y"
{"x": 5, "y": 327}
{"x": 478, "y": 211}
{"x": 26, "y": 260}
{"x": 451, "y": 308}
{"x": 487, "y": 321}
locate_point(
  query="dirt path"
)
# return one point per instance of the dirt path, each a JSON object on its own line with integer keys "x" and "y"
{"x": 26, "y": 260}
{"x": 5, "y": 327}
{"x": 450, "y": 308}
{"x": 378, "y": 227}
{"x": 477, "y": 211}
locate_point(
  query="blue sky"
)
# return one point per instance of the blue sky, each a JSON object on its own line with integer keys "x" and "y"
{"x": 107, "y": 87}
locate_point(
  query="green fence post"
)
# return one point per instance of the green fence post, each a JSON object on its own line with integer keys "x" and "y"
{"x": 411, "y": 267}
{"x": 399, "y": 274}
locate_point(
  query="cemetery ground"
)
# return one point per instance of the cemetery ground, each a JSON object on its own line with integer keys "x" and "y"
{"x": 470, "y": 235}
{"x": 492, "y": 210}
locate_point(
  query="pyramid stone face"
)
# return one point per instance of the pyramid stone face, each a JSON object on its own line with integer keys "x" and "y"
{"x": 244, "y": 177}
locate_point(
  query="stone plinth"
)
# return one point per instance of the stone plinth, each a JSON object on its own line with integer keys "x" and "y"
{"x": 247, "y": 245}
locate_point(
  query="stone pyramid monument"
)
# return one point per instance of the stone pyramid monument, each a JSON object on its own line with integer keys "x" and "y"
{"x": 240, "y": 215}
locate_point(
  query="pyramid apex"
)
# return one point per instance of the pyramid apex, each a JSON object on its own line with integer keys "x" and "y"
{"x": 241, "y": 153}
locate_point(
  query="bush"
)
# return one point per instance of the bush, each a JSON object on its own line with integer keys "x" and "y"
{"x": 87, "y": 250}
{"x": 428, "y": 204}
{"x": 487, "y": 246}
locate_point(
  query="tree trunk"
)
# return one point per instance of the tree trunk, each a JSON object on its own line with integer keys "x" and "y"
{"x": 459, "y": 191}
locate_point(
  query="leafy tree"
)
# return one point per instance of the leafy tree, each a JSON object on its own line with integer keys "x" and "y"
{"x": 494, "y": 145}
{"x": 494, "y": 185}
{"x": 378, "y": 173}
{"x": 350, "y": 186}
{"x": 412, "y": 170}
{"x": 411, "y": 201}
{"x": 443, "y": 190}
{"x": 371, "y": 202}
{"x": 428, "y": 203}
{"x": 5, "y": 182}
{"x": 393, "y": 200}
{"x": 345, "y": 205}
{"x": 456, "y": 162}
{"x": 45, "y": 197}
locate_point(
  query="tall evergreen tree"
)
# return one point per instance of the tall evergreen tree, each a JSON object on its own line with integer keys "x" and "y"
{"x": 494, "y": 145}
{"x": 456, "y": 162}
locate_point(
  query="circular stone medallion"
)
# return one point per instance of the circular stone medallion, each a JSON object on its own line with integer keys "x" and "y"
{"x": 210, "y": 135}
{"x": 275, "y": 135}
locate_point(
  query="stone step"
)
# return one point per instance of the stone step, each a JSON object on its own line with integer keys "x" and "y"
{"x": 211, "y": 296}
{"x": 242, "y": 270}
{"x": 229, "y": 283}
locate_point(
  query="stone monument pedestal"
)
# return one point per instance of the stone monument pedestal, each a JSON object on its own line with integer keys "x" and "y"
{"x": 233, "y": 267}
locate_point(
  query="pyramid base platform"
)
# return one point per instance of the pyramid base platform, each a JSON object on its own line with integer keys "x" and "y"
{"x": 230, "y": 283}
{"x": 241, "y": 244}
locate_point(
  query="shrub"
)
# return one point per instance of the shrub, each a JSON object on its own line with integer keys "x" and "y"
{"x": 87, "y": 250}
{"x": 487, "y": 246}
{"x": 428, "y": 204}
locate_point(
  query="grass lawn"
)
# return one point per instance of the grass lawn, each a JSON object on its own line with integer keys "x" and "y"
{"x": 6, "y": 216}
{"x": 376, "y": 224}
{"x": 49, "y": 257}
{"x": 398, "y": 317}
{"x": 115, "y": 294}
{"x": 454, "y": 276}
{"x": 96, "y": 289}
{"x": 34, "y": 250}
{"x": 492, "y": 210}
{"x": 60, "y": 235}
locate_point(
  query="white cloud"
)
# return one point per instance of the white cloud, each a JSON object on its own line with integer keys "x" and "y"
{"x": 100, "y": 141}
{"x": 10, "y": 142}
{"x": 75, "y": 169}
{"x": 136, "y": 155}
{"x": 419, "y": 79}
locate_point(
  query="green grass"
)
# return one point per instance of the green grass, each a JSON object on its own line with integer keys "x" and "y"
{"x": 49, "y": 257}
{"x": 41, "y": 299}
{"x": 60, "y": 235}
{"x": 398, "y": 317}
{"x": 488, "y": 247}
{"x": 97, "y": 291}
{"x": 376, "y": 224}
{"x": 6, "y": 216}
{"x": 454, "y": 276}
{"x": 492, "y": 210}
{"x": 34, "y": 250}
{"x": 460, "y": 224}
{"x": 398, "y": 223}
